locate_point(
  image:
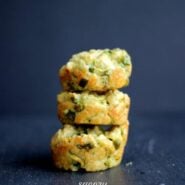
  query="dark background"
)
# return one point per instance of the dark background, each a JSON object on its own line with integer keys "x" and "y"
{"x": 38, "y": 37}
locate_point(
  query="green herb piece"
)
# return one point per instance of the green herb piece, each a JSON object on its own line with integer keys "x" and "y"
{"x": 107, "y": 51}
{"x": 76, "y": 164}
{"x": 87, "y": 146}
{"x": 83, "y": 82}
{"x": 107, "y": 163}
{"x": 78, "y": 104}
{"x": 126, "y": 62}
{"x": 85, "y": 130}
{"x": 72, "y": 99}
{"x": 116, "y": 144}
{"x": 91, "y": 69}
{"x": 79, "y": 107}
{"x": 70, "y": 115}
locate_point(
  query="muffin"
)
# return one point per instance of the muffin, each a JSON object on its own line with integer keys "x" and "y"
{"x": 110, "y": 108}
{"x": 96, "y": 70}
{"x": 91, "y": 148}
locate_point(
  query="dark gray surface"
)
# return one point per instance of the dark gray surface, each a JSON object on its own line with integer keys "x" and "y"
{"x": 156, "y": 149}
{"x": 38, "y": 36}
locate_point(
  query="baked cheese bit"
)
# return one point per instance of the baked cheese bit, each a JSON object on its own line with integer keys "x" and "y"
{"x": 97, "y": 70}
{"x": 92, "y": 108}
{"x": 88, "y": 147}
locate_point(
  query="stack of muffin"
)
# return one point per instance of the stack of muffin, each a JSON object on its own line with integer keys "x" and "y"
{"x": 93, "y": 112}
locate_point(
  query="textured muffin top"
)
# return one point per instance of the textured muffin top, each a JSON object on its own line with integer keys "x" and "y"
{"x": 97, "y": 70}
{"x": 101, "y": 62}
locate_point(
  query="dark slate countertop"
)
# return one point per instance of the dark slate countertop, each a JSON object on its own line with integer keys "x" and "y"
{"x": 155, "y": 153}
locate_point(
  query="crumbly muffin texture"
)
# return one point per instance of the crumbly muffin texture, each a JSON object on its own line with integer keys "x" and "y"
{"x": 108, "y": 108}
{"x": 88, "y": 147}
{"x": 97, "y": 70}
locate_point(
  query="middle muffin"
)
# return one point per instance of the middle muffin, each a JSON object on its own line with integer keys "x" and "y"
{"x": 110, "y": 108}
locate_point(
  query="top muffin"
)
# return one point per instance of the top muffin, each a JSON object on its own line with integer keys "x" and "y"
{"x": 97, "y": 70}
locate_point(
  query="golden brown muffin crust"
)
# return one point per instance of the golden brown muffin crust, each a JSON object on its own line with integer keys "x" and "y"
{"x": 92, "y": 149}
{"x": 92, "y": 108}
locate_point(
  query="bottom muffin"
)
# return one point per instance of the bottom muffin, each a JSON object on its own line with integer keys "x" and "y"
{"x": 92, "y": 148}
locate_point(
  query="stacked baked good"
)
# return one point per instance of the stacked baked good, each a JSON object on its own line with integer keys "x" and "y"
{"x": 93, "y": 112}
